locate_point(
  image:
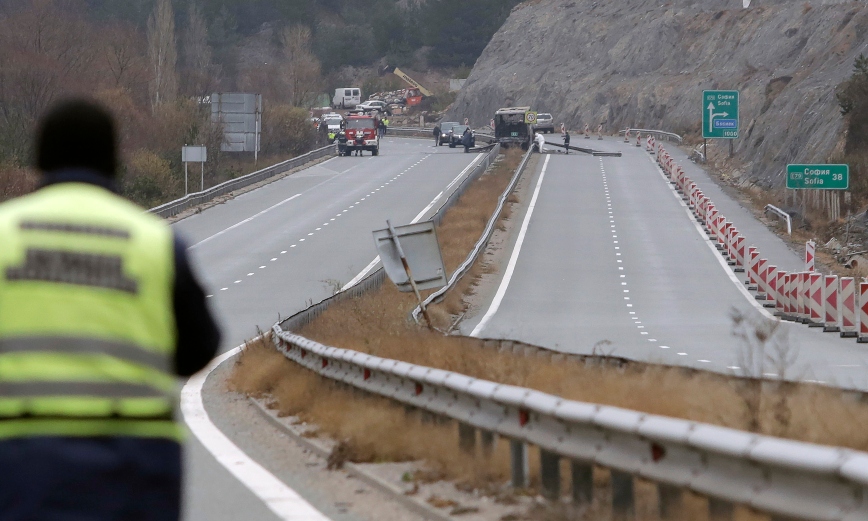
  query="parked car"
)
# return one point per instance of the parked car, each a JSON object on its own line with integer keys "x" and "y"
{"x": 457, "y": 133}
{"x": 371, "y": 105}
{"x": 445, "y": 127}
{"x": 545, "y": 123}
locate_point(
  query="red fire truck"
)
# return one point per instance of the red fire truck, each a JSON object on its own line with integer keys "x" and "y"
{"x": 361, "y": 133}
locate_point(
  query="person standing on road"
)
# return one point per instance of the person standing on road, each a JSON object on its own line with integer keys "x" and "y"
{"x": 437, "y": 135}
{"x": 99, "y": 309}
{"x": 467, "y": 140}
{"x": 540, "y": 142}
{"x": 385, "y": 125}
{"x": 567, "y": 140}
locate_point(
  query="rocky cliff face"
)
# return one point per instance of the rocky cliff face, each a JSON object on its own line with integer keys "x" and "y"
{"x": 644, "y": 64}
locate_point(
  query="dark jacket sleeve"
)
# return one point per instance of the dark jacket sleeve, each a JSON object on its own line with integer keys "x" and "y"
{"x": 198, "y": 334}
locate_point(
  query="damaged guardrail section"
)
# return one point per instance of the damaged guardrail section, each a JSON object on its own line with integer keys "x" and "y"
{"x": 179, "y": 205}
{"x": 481, "y": 243}
{"x": 786, "y": 478}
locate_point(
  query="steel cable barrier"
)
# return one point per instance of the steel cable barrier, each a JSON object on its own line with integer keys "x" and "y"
{"x": 783, "y": 477}
{"x": 179, "y": 205}
{"x": 375, "y": 279}
{"x": 459, "y": 272}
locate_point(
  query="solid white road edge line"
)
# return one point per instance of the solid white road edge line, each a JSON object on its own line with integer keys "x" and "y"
{"x": 236, "y": 225}
{"x": 369, "y": 267}
{"x": 277, "y": 496}
{"x": 513, "y": 259}
{"x": 735, "y": 280}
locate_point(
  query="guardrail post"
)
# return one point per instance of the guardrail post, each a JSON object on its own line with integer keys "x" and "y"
{"x": 518, "y": 463}
{"x": 486, "y": 439}
{"x": 466, "y": 438}
{"x": 583, "y": 482}
{"x": 668, "y": 501}
{"x": 550, "y": 474}
{"x": 622, "y": 496}
{"x": 720, "y": 510}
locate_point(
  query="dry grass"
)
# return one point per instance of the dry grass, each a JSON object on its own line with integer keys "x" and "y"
{"x": 375, "y": 429}
{"x": 369, "y": 428}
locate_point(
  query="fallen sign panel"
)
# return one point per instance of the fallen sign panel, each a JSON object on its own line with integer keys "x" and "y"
{"x": 818, "y": 177}
{"x": 420, "y": 246}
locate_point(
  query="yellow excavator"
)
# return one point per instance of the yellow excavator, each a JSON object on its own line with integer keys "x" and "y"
{"x": 415, "y": 94}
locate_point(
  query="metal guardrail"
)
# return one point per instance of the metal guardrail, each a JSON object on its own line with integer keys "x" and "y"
{"x": 782, "y": 477}
{"x": 782, "y": 214}
{"x": 375, "y": 279}
{"x": 461, "y": 270}
{"x": 179, "y": 205}
{"x": 658, "y": 134}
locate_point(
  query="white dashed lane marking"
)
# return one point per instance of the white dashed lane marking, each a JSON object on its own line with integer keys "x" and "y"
{"x": 309, "y": 234}
{"x": 614, "y": 230}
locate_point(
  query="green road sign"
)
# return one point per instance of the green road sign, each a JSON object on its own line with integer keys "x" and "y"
{"x": 818, "y": 177}
{"x": 720, "y": 114}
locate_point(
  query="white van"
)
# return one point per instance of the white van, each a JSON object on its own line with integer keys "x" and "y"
{"x": 347, "y": 97}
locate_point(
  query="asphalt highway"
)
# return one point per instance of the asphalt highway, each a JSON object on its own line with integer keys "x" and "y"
{"x": 273, "y": 251}
{"x": 611, "y": 261}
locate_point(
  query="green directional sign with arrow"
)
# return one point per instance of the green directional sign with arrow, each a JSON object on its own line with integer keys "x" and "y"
{"x": 720, "y": 114}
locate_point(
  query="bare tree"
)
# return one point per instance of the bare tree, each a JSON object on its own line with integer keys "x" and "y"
{"x": 163, "y": 53}
{"x": 197, "y": 52}
{"x": 123, "y": 55}
{"x": 302, "y": 71}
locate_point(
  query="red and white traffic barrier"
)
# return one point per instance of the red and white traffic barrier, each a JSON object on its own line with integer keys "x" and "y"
{"x": 638, "y": 139}
{"x": 848, "y": 307}
{"x": 830, "y": 304}
{"x": 781, "y": 290}
{"x": 600, "y": 132}
{"x": 740, "y": 243}
{"x": 804, "y": 297}
{"x": 627, "y": 135}
{"x": 771, "y": 287}
{"x": 788, "y": 296}
{"x": 752, "y": 272}
{"x": 810, "y": 250}
{"x": 733, "y": 235}
{"x": 863, "y": 313}
{"x": 710, "y": 216}
{"x": 587, "y": 131}
{"x": 762, "y": 292}
{"x": 816, "y": 285}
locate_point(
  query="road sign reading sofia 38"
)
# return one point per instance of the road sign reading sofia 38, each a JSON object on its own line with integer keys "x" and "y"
{"x": 818, "y": 177}
{"x": 720, "y": 114}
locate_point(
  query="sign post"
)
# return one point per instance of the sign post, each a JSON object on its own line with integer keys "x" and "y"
{"x": 194, "y": 154}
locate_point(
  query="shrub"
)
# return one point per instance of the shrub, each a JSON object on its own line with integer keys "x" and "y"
{"x": 148, "y": 181}
{"x": 286, "y": 130}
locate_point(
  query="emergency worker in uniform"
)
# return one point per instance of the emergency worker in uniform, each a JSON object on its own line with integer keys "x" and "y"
{"x": 99, "y": 310}
{"x": 385, "y": 125}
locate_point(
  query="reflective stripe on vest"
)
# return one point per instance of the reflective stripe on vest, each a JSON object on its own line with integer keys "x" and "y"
{"x": 87, "y": 331}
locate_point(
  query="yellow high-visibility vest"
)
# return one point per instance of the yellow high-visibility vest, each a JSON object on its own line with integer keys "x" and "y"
{"x": 87, "y": 327}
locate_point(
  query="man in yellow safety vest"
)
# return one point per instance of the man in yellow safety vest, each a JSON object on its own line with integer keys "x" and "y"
{"x": 99, "y": 310}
